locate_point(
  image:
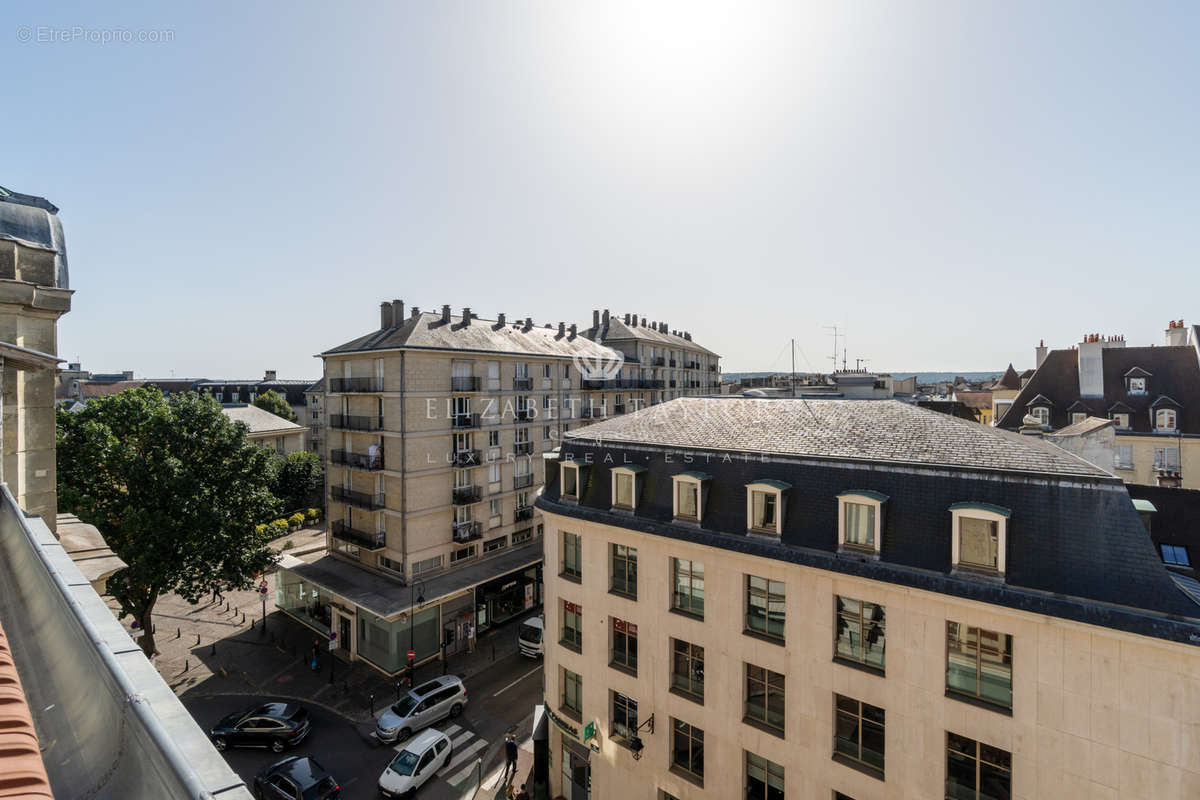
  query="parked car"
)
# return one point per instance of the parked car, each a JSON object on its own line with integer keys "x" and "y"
{"x": 273, "y": 725}
{"x": 419, "y": 761}
{"x": 421, "y": 707}
{"x": 296, "y": 778}
{"x": 529, "y": 637}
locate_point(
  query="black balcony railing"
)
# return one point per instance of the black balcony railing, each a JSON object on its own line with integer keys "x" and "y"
{"x": 522, "y": 481}
{"x": 594, "y": 412}
{"x": 350, "y": 385}
{"x": 523, "y": 414}
{"x": 672, "y": 384}
{"x": 523, "y": 448}
{"x": 467, "y": 458}
{"x": 619, "y": 408}
{"x": 712, "y": 367}
{"x": 691, "y": 365}
{"x": 464, "y": 421}
{"x": 671, "y": 363}
{"x": 371, "y": 502}
{"x": 522, "y": 384}
{"x": 465, "y": 531}
{"x": 348, "y": 422}
{"x": 365, "y": 461}
{"x": 465, "y": 495}
{"x": 649, "y": 384}
{"x": 658, "y": 362}
{"x": 523, "y": 513}
{"x": 464, "y": 384}
{"x": 341, "y": 530}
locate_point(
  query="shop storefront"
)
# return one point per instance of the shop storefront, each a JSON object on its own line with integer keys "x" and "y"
{"x": 386, "y": 644}
{"x": 304, "y": 600}
{"x": 503, "y": 598}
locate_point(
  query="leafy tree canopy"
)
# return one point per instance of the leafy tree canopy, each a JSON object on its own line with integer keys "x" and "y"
{"x": 273, "y": 401}
{"x": 298, "y": 479}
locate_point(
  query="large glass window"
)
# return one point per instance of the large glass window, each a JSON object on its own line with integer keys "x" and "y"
{"x": 979, "y": 663}
{"x": 687, "y": 749}
{"x": 302, "y": 599}
{"x": 858, "y": 731}
{"x": 624, "y": 644}
{"x": 572, "y": 692}
{"x": 860, "y": 525}
{"x": 570, "y": 482}
{"x": 571, "y": 558}
{"x": 764, "y": 697}
{"x": 764, "y": 779}
{"x": 624, "y": 716}
{"x": 687, "y": 499}
{"x": 624, "y": 570}
{"x": 765, "y": 603}
{"x": 763, "y": 510}
{"x": 859, "y": 635}
{"x": 687, "y": 668}
{"x": 572, "y": 625}
{"x": 978, "y": 542}
{"x": 386, "y": 644}
{"x": 687, "y": 578}
{"x": 975, "y": 771}
{"x": 623, "y": 484}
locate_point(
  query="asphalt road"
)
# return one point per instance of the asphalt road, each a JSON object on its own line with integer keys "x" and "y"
{"x": 499, "y": 700}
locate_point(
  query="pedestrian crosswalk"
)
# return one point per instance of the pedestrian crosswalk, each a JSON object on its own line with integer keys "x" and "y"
{"x": 465, "y": 747}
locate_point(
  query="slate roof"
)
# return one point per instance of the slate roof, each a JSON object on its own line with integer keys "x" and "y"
{"x": 90, "y": 389}
{"x": 1009, "y": 380}
{"x": 1176, "y": 520}
{"x": 1175, "y": 374}
{"x": 259, "y": 420}
{"x": 1088, "y": 425}
{"x": 617, "y": 330}
{"x": 428, "y": 332}
{"x": 885, "y": 431}
{"x": 970, "y": 399}
{"x": 317, "y": 387}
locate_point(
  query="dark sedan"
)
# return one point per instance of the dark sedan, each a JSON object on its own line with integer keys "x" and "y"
{"x": 274, "y": 725}
{"x": 296, "y": 778}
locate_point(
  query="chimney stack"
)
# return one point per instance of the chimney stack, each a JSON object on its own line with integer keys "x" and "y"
{"x": 397, "y": 312}
{"x": 529, "y": 323}
{"x": 500, "y": 320}
{"x": 605, "y": 317}
{"x": 416, "y": 312}
{"x": 467, "y": 315}
{"x": 562, "y": 329}
{"x": 572, "y": 329}
{"x": 626, "y": 319}
{"x": 445, "y": 314}
{"x": 269, "y": 375}
{"x": 385, "y": 315}
{"x": 595, "y": 318}
{"x": 1176, "y": 334}
{"x": 635, "y": 320}
{"x": 1039, "y": 354}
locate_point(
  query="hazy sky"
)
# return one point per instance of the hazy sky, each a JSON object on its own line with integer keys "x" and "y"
{"x": 949, "y": 181}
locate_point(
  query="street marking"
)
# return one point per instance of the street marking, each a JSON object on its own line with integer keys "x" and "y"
{"x": 518, "y": 680}
{"x": 465, "y": 737}
{"x": 451, "y": 730}
{"x": 462, "y": 756}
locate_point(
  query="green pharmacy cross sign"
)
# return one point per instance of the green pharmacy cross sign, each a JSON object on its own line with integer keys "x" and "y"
{"x": 589, "y": 731}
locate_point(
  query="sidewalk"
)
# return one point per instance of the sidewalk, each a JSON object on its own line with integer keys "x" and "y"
{"x": 494, "y": 785}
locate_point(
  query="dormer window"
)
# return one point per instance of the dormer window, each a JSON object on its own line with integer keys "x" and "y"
{"x": 1041, "y": 414}
{"x": 689, "y": 496}
{"x": 979, "y": 535}
{"x": 1137, "y": 385}
{"x": 625, "y": 487}
{"x": 860, "y": 521}
{"x": 764, "y": 506}
{"x": 1078, "y": 416}
{"x": 1165, "y": 419}
{"x": 571, "y": 480}
{"x": 1121, "y": 419}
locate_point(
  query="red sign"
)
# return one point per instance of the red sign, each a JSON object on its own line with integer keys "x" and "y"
{"x": 569, "y": 606}
{"x": 621, "y": 626}
{"x": 411, "y": 655}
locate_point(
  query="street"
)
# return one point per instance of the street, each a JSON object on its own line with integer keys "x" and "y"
{"x": 500, "y": 699}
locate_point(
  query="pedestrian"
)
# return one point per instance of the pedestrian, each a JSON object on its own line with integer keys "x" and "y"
{"x": 217, "y": 596}
{"x": 316, "y": 652}
{"x": 510, "y": 756}
{"x": 522, "y": 795}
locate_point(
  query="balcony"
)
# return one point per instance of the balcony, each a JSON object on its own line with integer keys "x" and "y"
{"x": 712, "y": 367}
{"x": 646, "y": 383}
{"x": 522, "y": 481}
{"x": 341, "y": 530}
{"x": 671, "y": 363}
{"x": 366, "y": 461}
{"x": 619, "y": 408}
{"x": 523, "y": 513}
{"x": 464, "y": 384}
{"x": 465, "y": 495}
{"x": 595, "y": 412}
{"x": 523, "y": 448}
{"x": 355, "y": 385}
{"x": 523, "y": 414}
{"x": 598, "y": 383}
{"x": 658, "y": 362}
{"x": 461, "y": 421}
{"x": 522, "y": 384}
{"x": 691, "y": 365}
{"x": 672, "y": 384}
{"x": 465, "y": 531}
{"x": 467, "y": 458}
{"x": 346, "y": 422}
{"x": 364, "y": 500}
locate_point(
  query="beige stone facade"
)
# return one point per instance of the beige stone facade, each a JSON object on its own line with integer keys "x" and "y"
{"x": 1096, "y": 713}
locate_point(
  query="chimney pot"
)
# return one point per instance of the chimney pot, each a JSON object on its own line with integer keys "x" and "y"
{"x": 416, "y": 312}
{"x": 572, "y": 329}
{"x": 397, "y": 312}
{"x": 466, "y": 319}
{"x": 529, "y": 323}
{"x": 626, "y": 319}
{"x": 635, "y": 320}
{"x": 385, "y": 315}
{"x": 595, "y": 318}
{"x": 500, "y": 320}
{"x": 445, "y": 313}
{"x": 605, "y": 317}
{"x": 269, "y": 375}
{"x": 562, "y": 328}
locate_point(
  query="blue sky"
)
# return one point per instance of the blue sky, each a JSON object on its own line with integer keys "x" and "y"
{"x": 950, "y": 182}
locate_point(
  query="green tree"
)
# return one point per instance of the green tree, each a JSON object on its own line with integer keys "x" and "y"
{"x": 176, "y": 491}
{"x": 297, "y": 479}
{"x": 273, "y": 401}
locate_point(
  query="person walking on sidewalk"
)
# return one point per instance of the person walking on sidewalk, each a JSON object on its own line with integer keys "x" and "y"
{"x": 316, "y": 654}
{"x": 510, "y": 756}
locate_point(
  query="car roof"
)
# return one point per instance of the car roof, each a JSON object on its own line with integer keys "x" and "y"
{"x": 440, "y": 682}
{"x": 423, "y": 740}
{"x": 535, "y": 622}
{"x": 281, "y": 710}
{"x": 304, "y": 770}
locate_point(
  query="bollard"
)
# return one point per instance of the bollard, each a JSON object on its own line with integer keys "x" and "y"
{"x": 372, "y": 704}
{"x": 197, "y": 638}
{"x": 213, "y": 652}
{"x": 397, "y": 691}
{"x": 178, "y": 632}
{"x": 186, "y": 665}
{"x": 243, "y": 617}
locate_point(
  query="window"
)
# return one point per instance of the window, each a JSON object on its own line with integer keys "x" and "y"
{"x": 492, "y": 545}
{"x": 859, "y": 632}
{"x": 687, "y": 581}
{"x": 1123, "y": 456}
{"x": 572, "y": 563}
{"x": 624, "y": 717}
{"x": 427, "y": 565}
{"x": 545, "y": 370}
{"x": 572, "y": 693}
{"x": 860, "y": 520}
{"x": 1164, "y": 419}
{"x": 975, "y": 771}
{"x": 521, "y": 537}
{"x": 1166, "y": 459}
{"x": 1175, "y": 554}
{"x": 764, "y": 702}
{"x": 624, "y": 570}
{"x": 625, "y": 487}
{"x": 572, "y": 625}
{"x": 689, "y": 495}
{"x": 1078, "y": 416}
{"x": 765, "y": 603}
{"x": 979, "y": 664}
{"x": 979, "y": 536}
{"x": 494, "y": 478}
{"x": 1121, "y": 420}
{"x": 764, "y": 779}
{"x": 858, "y": 732}
{"x": 1041, "y": 414}
{"x": 764, "y": 506}
{"x": 570, "y": 481}
{"x": 687, "y": 668}
{"x": 624, "y": 644}
{"x": 687, "y": 750}
{"x": 1137, "y": 385}
{"x": 493, "y": 438}
{"x": 462, "y": 554}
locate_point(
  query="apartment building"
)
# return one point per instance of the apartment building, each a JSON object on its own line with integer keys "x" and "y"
{"x": 434, "y": 428}
{"x": 1152, "y": 394}
{"x": 778, "y": 598}
{"x": 314, "y": 416}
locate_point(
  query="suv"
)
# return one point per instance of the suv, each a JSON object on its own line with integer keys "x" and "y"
{"x": 431, "y": 701}
{"x": 419, "y": 761}
{"x": 296, "y": 778}
{"x": 273, "y": 725}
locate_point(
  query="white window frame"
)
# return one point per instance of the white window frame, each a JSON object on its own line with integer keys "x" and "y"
{"x": 1078, "y": 416}
{"x": 863, "y": 497}
{"x": 1137, "y": 385}
{"x": 775, "y": 488}
{"x": 1162, "y": 413}
{"x": 984, "y": 511}
{"x": 697, "y": 479}
{"x": 1041, "y": 414}
{"x": 1121, "y": 419}
{"x": 1118, "y": 461}
{"x": 577, "y": 467}
{"x": 632, "y": 472}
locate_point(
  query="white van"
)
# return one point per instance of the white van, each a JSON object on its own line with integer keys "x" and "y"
{"x": 530, "y": 637}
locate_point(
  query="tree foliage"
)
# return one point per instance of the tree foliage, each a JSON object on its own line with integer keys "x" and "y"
{"x": 176, "y": 491}
{"x": 297, "y": 479}
{"x": 274, "y": 402}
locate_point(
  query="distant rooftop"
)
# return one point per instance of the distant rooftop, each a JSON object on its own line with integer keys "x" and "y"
{"x": 258, "y": 420}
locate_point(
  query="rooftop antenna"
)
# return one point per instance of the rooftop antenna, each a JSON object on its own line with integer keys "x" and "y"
{"x": 793, "y": 367}
{"x": 833, "y": 358}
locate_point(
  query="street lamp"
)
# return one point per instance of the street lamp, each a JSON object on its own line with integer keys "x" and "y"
{"x": 332, "y": 660}
{"x": 417, "y": 588}
{"x": 262, "y": 590}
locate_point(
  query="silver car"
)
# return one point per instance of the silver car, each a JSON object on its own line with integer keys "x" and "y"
{"x": 426, "y": 704}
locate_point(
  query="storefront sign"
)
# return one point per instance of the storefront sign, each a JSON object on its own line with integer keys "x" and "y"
{"x": 528, "y": 596}
{"x": 621, "y": 626}
{"x": 563, "y": 725}
{"x": 569, "y": 606}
